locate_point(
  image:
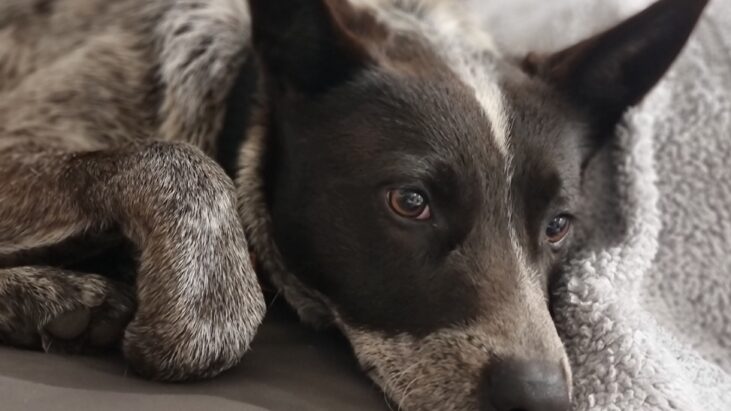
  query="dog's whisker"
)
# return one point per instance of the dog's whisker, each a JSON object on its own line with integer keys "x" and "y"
{"x": 408, "y": 391}
{"x": 274, "y": 299}
{"x": 387, "y": 401}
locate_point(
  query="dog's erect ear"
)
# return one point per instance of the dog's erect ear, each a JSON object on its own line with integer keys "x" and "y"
{"x": 614, "y": 70}
{"x": 303, "y": 45}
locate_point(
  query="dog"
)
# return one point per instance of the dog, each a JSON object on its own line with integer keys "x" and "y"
{"x": 393, "y": 173}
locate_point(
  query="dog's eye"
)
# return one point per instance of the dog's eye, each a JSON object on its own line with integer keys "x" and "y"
{"x": 409, "y": 204}
{"x": 558, "y": 228}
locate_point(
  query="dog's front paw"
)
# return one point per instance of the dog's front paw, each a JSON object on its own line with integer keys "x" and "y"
{"x": 195, "y": 342}
{"x": 101, "y": 311}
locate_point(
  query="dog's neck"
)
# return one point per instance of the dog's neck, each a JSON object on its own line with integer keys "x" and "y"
{"x": 241, "y": 103}
{"x": 311, "y": 307}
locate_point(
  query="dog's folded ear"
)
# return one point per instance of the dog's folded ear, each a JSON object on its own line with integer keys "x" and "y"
{"x": 303, "y": 45}
{"x": 614, "y": 70}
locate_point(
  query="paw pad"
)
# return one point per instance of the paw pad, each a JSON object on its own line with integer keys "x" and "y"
{"x": 69, "y": 325}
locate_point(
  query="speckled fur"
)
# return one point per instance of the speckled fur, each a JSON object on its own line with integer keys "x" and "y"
{"x": 107, "y": 112}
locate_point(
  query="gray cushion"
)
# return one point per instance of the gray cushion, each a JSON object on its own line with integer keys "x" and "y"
{"x": 290, "y": 367}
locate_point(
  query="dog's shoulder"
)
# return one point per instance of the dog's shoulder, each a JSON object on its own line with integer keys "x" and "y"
{"x": 108, "y": 72}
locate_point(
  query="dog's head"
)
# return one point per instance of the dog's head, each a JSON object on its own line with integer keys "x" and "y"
{"x": 408, "y": 183}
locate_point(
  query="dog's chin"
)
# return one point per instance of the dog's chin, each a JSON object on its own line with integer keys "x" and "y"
{"x": 439, "y": 371}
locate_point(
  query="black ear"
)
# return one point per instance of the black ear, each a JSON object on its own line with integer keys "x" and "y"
{"x": 302, "y": 45}
{"x": 614, "y": 70}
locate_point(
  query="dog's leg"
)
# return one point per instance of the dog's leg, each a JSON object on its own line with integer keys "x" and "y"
{"x": 198, "y": 299}
{"x": 61, "y": 311}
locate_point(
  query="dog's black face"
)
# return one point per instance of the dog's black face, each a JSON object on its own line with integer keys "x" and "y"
{"x": 392, "y": 191}
{"x": 428, "y": 196}
{"x": 393, "y": 198}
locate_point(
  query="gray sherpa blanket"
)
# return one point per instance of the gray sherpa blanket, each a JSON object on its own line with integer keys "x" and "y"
{"x": 646, "y": 309}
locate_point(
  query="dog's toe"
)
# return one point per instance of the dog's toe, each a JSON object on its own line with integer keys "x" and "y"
{"x": 109, "y": 320}
{"x": 105, "y": 309}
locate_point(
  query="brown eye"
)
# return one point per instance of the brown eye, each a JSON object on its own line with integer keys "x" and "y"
{"x": 558, "y": 228}
{"x": 409, "y": 204}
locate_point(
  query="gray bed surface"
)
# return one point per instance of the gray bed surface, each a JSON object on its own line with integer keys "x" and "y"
{"x": 290, "y": 367}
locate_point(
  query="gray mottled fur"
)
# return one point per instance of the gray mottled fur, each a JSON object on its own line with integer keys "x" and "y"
{"x": 107, "y": 112}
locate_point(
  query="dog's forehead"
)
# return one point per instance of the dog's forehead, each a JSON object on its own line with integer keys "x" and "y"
{"x": 442, "y": 89}
{"x": 442, "y": 114}
{"x": 435, "y": 115}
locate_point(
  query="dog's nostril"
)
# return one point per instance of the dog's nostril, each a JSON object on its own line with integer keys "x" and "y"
{"x": 516, "y": 385}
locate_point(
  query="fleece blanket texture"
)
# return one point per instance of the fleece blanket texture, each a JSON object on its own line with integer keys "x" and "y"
{"x": 645, "y": 309}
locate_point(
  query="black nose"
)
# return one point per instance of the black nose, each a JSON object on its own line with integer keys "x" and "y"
{"x": 512, "y": 385}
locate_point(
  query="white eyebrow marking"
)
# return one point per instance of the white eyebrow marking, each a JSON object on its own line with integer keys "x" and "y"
{"x": 492, "y": 102}
{"x": 476, "y": 70}
{"x": 491, "y": 99}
